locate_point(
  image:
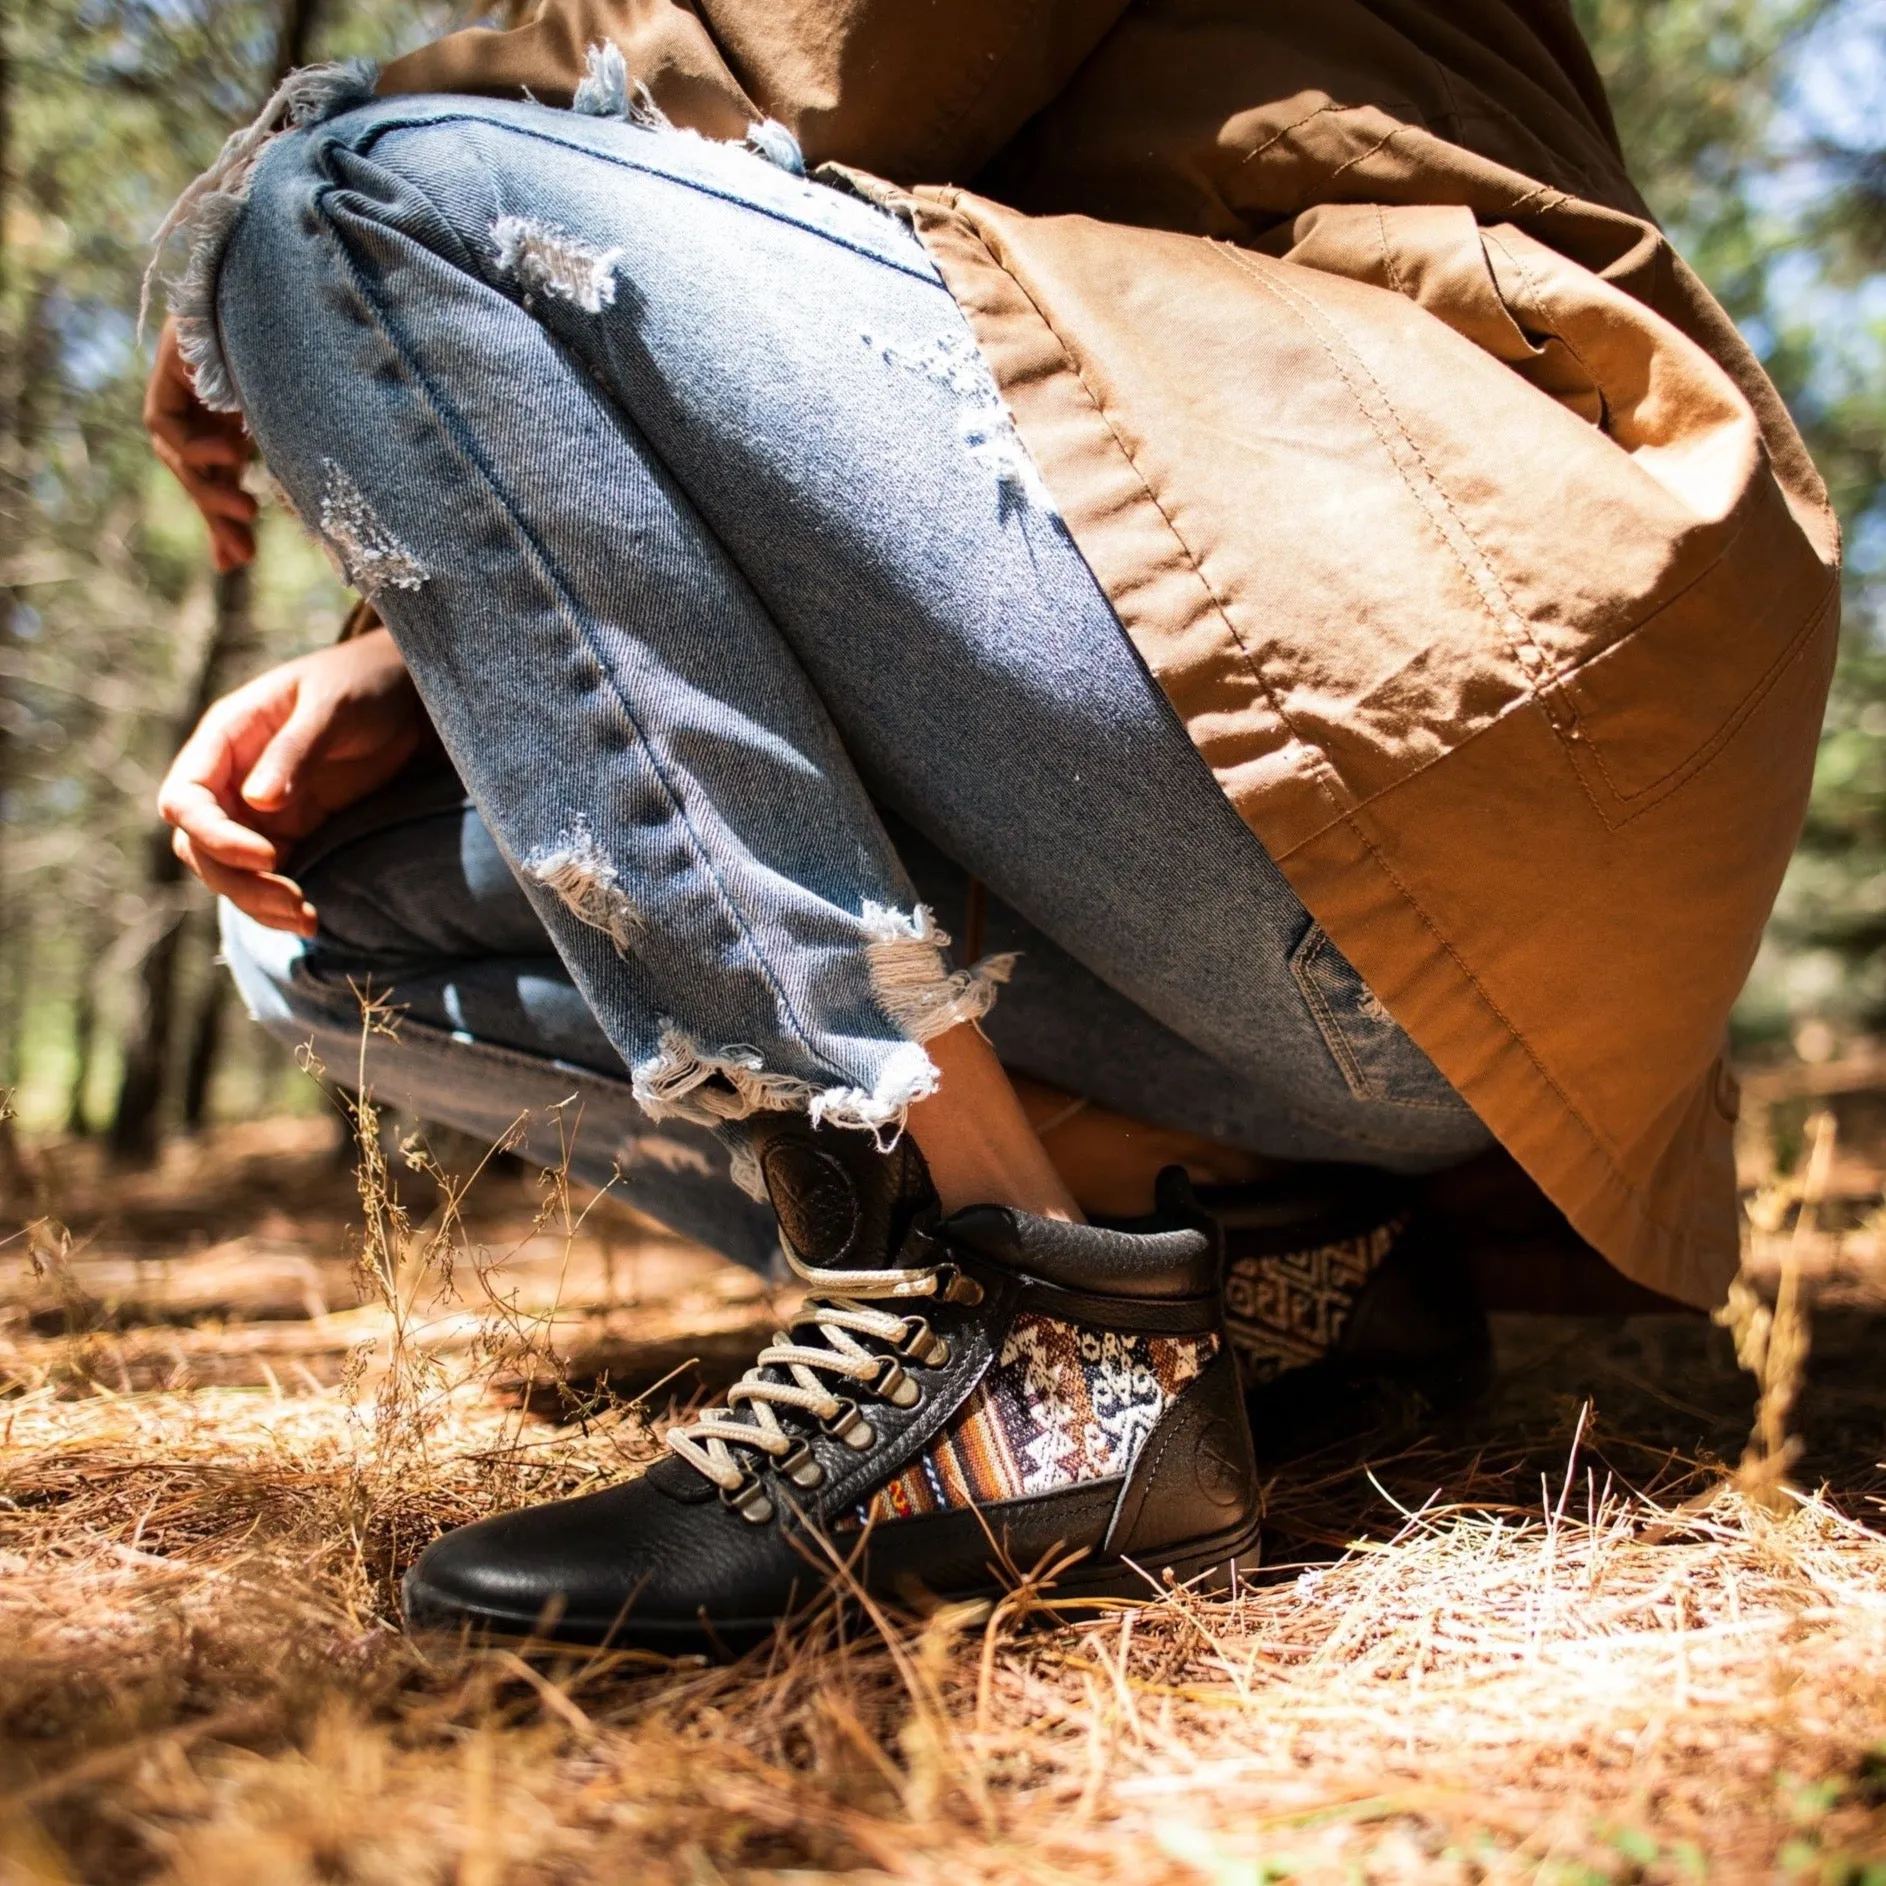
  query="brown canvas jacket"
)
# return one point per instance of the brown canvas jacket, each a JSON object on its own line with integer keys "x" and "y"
{"x": 1466, "y": 536}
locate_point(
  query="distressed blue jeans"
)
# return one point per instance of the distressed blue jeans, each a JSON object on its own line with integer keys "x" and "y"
{"x": 752, "y": 636}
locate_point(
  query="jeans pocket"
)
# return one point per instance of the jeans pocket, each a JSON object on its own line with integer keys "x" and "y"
{"x": 1377, "y": 1058}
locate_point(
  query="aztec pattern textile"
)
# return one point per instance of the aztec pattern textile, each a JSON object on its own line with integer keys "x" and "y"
{"x": 1287, "y": 1309}
{"x": 1064, "y": 1403}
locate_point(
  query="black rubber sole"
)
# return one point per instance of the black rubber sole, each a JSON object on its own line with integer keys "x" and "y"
{"x": 1207, "y": 1566}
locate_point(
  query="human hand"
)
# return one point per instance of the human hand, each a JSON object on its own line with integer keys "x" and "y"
{"x": 205, "y": 450}
{"x": 269, "y": 762}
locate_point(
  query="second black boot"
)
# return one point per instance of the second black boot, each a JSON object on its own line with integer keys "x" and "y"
{"x": 1346, "y": 1307}
{"x": 956, "y": 1390}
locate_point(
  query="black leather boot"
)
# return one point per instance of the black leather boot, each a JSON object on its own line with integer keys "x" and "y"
{"x": 1344, "y": 1307}
{"x": 950, "y": 1382}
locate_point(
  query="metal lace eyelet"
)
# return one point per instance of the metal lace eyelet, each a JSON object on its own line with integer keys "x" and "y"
{"x": 922, "y": 1345}
{"x": 750, "y": 1500}
{"x": 893, "y": 1383}
{"x": 955, "y": 1285}
{"x": 849, "y": 1426}
{"x": 801, "y": 1466}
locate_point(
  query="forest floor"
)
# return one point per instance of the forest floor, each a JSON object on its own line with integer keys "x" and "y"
{"x": 1561, "y": 1637}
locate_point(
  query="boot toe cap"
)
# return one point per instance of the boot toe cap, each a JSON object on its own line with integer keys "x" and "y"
{"x": 629, "y": 1567}
{"x": 543, "y": 1570}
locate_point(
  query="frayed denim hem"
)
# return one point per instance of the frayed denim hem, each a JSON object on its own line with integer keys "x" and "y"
{"x": 921, "y": 996}
{"x": 205, "y": 214}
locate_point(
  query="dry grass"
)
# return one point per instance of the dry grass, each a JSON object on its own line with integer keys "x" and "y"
{"x": 1552, "y": 1642}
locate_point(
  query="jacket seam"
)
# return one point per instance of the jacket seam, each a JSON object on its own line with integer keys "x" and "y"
{"x": 1535, "y": 297}
{"x": 1513, "y": 628}
{"x": 1381, "y": 144}
{"x": 1388, "y": 253}
{"x": 1546, "y": 688}
{"x": 1408, "y": 116}
{"x": 1518, "y": 705}
{"x": 1711, "y": 749}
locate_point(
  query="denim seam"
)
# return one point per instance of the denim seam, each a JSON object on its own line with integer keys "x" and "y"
{"x": 454, "y": 430}
{"x": 381, "y": 128}
{"x": 1336, "y": 1038}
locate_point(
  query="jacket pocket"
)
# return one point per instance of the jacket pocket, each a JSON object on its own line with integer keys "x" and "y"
{"x": 1377, "y": 1057}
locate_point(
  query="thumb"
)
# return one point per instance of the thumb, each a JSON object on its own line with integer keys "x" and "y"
{"x": 272, "y": 779}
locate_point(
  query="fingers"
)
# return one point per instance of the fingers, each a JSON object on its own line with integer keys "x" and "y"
{"x": 204, "y": 451}
{"x": 215, "y": 833}
{"x": 227, "y": 509}
{"x": 218, "y": 501}
{"x": 212, "y": 449}
{"x": 271, "y": 780}
{"x": 231, "y": 546}
{"x": 199, "y": 817}
{"x": 208, "y": 473}
{"x": 268, "y": 897}
{"x": 198, "y": 795}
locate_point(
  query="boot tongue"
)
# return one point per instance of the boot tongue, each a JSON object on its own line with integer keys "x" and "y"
{"x": 842, "y": 1204}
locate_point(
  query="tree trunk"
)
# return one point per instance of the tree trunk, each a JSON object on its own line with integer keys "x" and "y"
{"x": 134, "y": 1124}
{"x": 14, "y": 1179}
{"x": 147, "y": 1056}
{"x": 206, "y": 1042}
{"x": 84, "y": 1034}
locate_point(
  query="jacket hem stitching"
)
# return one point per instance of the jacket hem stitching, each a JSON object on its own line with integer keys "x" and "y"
{"x": 1485, "y": 580}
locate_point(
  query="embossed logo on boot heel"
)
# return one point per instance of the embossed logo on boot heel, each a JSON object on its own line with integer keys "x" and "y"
{"x": 1216, "y": 1464}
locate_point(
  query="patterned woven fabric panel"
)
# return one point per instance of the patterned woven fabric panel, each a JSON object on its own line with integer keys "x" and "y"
{"x": 1063, "y": 1403}
{"x": 1289, "y": 1309}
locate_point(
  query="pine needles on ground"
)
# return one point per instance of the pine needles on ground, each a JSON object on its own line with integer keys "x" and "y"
{"x": 1558, "y": 1641}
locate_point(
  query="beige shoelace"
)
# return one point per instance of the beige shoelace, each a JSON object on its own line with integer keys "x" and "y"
{"x": 841, "y": 1312}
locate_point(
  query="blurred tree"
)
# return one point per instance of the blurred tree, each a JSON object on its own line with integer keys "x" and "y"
{"x": 111, "y": 628}
{"x": 12, "y": 511}
{"x": 228, "y": 651}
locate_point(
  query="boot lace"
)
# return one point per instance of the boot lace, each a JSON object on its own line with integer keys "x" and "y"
{"x": 803, "y": 1377}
